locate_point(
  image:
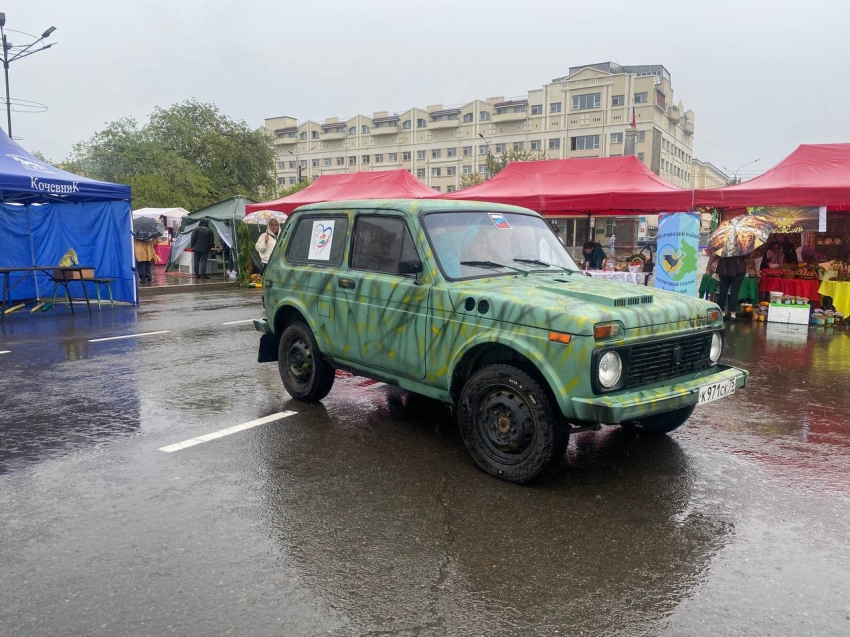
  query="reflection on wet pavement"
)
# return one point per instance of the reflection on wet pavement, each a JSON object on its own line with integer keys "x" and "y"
{"x": 405, "y": 521}
{"x": 364, "y": 514}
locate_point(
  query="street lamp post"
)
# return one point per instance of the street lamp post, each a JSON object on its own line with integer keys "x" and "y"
{"x": 735, "y": 175}
{"x": 297, "y": 166}
{"x": 486, "y": 141}
{"x": 18, "y": 53}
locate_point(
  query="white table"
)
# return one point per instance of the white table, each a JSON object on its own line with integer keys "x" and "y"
{"x": 638, "y": 278}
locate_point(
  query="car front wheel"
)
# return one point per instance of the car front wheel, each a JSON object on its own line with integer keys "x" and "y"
{"x": 508, "y": 424}
{"x": 305, "y": 374}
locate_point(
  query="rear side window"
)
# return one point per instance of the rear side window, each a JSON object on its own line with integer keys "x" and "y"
{"x": 380, "y": 243}
{"x": 319, "y": 240}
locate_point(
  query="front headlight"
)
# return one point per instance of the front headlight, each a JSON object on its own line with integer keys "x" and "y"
{"x": 716, "y": 347}
{"x": 610, "y": 369}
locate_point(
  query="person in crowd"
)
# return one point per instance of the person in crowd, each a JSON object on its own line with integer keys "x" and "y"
{"x": 731, "y": 271}
{"x": 772, "y": 257}
{"x": 145, "y": 254}
{"x": 612, "y": 242}
{"x": 201, "y": 242}
{"x": 267, "y": 241}
{"x": 789, "y": 252}
{"x": 594, "y": 255}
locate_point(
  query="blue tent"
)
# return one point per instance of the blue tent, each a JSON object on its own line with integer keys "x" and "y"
{"x": 44, "y": 211}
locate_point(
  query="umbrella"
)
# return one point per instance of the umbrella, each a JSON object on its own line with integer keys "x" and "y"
{"x": 739, "y": 236}
{"x": 147, "y": 228}
{"x": 261, "y": 217}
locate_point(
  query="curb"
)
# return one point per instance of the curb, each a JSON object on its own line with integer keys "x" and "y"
{"x": 224, "y": 286}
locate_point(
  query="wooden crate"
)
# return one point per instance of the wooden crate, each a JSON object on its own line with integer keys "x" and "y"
{"x": 67, "y": 275}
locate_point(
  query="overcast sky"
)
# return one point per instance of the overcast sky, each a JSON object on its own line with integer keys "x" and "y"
{"x": 762, "y": 76}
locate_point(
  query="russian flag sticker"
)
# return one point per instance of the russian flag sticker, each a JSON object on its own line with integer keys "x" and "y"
{"x": 500, "y": 220}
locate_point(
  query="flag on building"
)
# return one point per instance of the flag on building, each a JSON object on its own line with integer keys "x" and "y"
{"x": 633, "y": 122}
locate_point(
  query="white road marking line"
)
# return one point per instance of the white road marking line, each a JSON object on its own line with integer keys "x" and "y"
{"x": 226, "y": 432}
{"x": 237, "y": 322}
{"x": 115, "y": 338}
{"x": 6, "y": 352}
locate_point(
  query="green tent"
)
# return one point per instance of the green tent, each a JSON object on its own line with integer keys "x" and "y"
{"x": 224, "y": 217}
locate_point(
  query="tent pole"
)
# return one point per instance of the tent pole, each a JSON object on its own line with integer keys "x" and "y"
{"x": 234, "y": 253}
{"x": 32, "y": 253}
{"x": 133, "y": 271}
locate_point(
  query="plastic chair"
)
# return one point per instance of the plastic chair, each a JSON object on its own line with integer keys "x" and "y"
{"x": 103, "y": 281}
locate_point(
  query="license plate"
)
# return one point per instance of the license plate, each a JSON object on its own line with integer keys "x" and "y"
{"x": 715, "y": 391}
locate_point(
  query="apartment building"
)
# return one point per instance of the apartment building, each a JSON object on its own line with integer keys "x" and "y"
{"x": 583, "y": 114}
{"x": 706, "y": 175}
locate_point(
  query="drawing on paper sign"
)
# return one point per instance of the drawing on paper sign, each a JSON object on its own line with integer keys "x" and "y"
{"x": 323, "y": 234}
{"x": 500, "y": 221}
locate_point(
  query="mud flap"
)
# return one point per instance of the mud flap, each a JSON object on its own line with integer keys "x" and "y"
{"x": 268, "y": 349}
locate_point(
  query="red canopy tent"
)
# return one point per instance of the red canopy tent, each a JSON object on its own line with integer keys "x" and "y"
{"x": 813, "y": 175}
{"x": 607, "y": 185}
{"x": 389, "y": 184}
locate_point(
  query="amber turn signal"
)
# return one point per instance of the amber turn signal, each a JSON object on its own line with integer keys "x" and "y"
{"x": 606, "y": 330}
{"x": 713, "y": 315}
{"x": 558, "y": 337}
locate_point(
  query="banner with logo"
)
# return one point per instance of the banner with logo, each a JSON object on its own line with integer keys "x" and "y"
{"x": 676, "y": 259}
{"x": 788, "y": 219}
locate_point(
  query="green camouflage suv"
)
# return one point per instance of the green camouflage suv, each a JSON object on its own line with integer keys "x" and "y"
{"x": 480, "y": 306}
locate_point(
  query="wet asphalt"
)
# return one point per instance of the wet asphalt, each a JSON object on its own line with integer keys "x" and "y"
{"x": 364, "y": 515}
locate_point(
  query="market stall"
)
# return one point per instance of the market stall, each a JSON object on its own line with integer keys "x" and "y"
{"x": 807, "y": 197}
{"x": 387, "y": 184}
{"x": 224, "y": 217}
{"x": 45, "y": 211}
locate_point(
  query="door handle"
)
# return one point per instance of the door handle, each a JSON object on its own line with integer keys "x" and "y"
{"x": 346, "y": 284}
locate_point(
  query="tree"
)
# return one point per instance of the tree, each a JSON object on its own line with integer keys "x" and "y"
{"x": 497, "y": 164}
{"x": 471, "y": 179}
{"x": 188, "y": 155}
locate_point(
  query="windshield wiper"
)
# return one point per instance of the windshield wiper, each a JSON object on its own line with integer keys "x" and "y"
{"x": 493, "y": 264}
{"x": 543, "y": 263}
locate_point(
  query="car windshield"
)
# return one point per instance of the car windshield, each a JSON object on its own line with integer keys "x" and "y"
{"x": 474, "y": 244}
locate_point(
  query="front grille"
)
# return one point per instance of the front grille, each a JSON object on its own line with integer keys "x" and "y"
{"x": 652, "y": 362}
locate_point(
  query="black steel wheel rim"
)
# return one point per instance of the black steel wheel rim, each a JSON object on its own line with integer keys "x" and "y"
{"x": 504, "y": 424}
{"x": 299, "y": 361}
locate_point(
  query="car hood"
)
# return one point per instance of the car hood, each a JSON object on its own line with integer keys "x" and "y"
{"x": 575, "y": 303}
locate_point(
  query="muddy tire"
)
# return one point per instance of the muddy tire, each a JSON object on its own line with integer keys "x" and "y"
{"x": 508, "y": 424}
{"x": 304, "y": 372}
{"x": 660, "y": 424}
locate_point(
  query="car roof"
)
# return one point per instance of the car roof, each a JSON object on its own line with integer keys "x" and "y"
{"x": 412, "y": 206}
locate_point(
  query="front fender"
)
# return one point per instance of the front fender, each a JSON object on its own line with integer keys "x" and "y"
{"x": 564, "y": 367}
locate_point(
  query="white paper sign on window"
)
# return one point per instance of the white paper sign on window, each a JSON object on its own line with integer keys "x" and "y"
{"x": 322, "y": 240}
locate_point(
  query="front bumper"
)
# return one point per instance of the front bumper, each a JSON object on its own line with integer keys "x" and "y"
{"x": 628, "y": 405}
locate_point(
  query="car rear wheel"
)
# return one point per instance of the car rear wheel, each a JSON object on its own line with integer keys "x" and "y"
{"x": 660, "y": 424}
{"x": 508, "y": 424}
{"x": 304, "y": 372}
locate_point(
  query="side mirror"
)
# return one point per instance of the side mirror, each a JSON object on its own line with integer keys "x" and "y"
{"x": 411, "y": 266}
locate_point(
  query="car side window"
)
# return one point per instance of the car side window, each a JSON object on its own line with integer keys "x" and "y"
{"x": 380, "y": 243}
{"x": 319, "y": 240}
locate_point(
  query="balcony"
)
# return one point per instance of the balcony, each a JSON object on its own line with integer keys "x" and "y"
{"x": 689, "y": 126}
{"x": 510, "y": 110}
{"x": 510, "y": 115}
{"x": 385, "y": 129}
{"x": 443, "y": 123}
{"x": 285, "y": 140}
{"x": 674, "y": 114}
